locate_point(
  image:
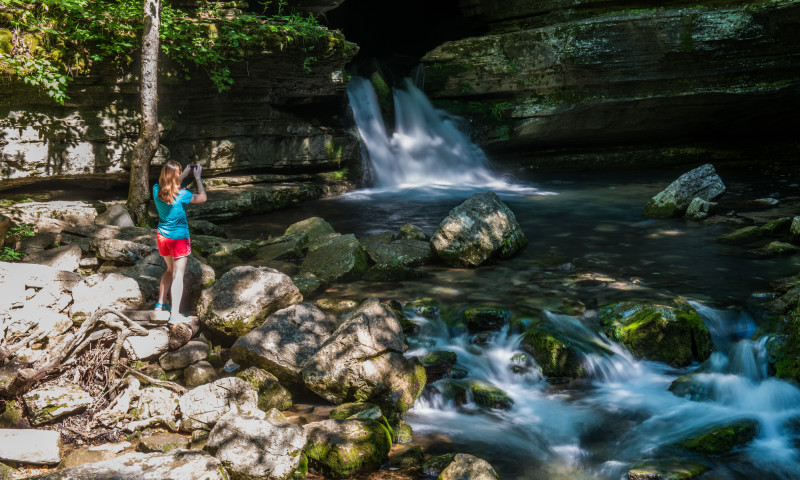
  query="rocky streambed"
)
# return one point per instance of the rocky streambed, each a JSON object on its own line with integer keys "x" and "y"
{"x": 345, "y": 354}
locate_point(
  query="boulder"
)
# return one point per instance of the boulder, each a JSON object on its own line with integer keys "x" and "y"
{"x": 65, "y": 258}
{"x": 741, "y": 236}
{"x": 30, "y": 446}
{"x": 285, "y": 341}
{"x": 702, "y": 182}
{"x": 341, "y": 448}
{"x": 204, "y": 227}
{"x": 175, "y": 465}
{"x": 411, "y": 232}
{"x": 363, "y": 411}
{"x": 723, "y": 439}
{"x": 699, "y": 209}
{"x": 37, "y": 276}
{"x": 307, "y": 283}
{"x": 335, "y": 258}
{"x": 48, "y": 403}
{"x": 481, "y": 228}
{"x": 388, "y": 272}
{"x": 243, "y": 297}
{"x": 251, "y": 448}
{"x": 666, "y": 470}
{"x": 192, "y": 352}
{"x": 776, "y": 227}
{"x": 156, "y": 402}
{"x": 363, "y": 361}
{"x": 116, "y": 214}
{"x": 147, "y": 347}
{"x": 310, "y": 228}
{"x": 437, "y": 364}
{"x": 671, "y": 334}
{"x": 486, "y": 395}
{"x": 485, "y": 317}
{"x": 412, "y": 253}
{"x": 555, "y": 354}
{"x": 286, "y": 247}
{"x": 227, "y": 252}
{"x": 106, "y": 290}
{"x": 162, "y": 443}
{"x": 198, "y": 374}
{"x": 119, "y": 250}
{"x": 271, "y": 393}
{"x": 468, "y": 467}
{"x": 203, "y": 406}
{"x": 424, "y": 307}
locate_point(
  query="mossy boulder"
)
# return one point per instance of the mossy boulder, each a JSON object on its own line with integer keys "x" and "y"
{"x": 702, "y": 182}
{"x": 271, "y": 394}
{"x": 335, "y": 258}
{"x": 776, "y": 227}
{"x": 310, "y": 228}
{"x": 671, "y": 334}
{"x": 437, "y": 364}
{"x": 348, "y": 410}
{"x": 666, "y": 470}
{"x": 555, "y": 355}
{"x": 479, "y": 318}
{"x": 741, "y": 236}
{"x": 424, "y": 307}
{"x": 487, "y": 395}
{"x": 13, "y": 414}
{"x": 341, "y": 448}
{"x": 723, "y": 439}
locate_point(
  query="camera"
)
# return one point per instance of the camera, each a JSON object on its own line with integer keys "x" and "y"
{"x": 192, "y": 166}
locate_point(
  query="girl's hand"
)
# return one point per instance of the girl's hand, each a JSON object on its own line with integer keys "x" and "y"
{"x": 185, "y": 172}
{"x": 198, "y": 169}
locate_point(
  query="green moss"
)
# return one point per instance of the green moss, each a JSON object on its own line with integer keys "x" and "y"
{"x": 485, "y": 317}
{"x": 556, "y": 357}
{"x": 489, "y": 396}
{"x": 424, "y": 307}
{"x": 333, "y": 150}
{"x": 740, "y": 236}
{"x": 347, "y": 410}
{"x": 350, "y": 457}
{"x": 723, "y": 439}
{"x": 12, "y": 415}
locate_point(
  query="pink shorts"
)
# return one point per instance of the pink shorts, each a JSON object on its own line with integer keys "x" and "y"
{"x": 173, "y": 247}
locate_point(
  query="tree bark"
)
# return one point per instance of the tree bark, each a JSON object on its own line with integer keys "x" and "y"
{"x": 147, "y": 143}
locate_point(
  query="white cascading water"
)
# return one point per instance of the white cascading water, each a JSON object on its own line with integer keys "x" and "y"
{"x": 426, "y": 148}
{"x": 624, "y": 413}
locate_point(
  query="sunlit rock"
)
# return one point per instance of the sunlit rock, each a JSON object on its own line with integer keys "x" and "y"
{"x": 48, "y": 403}
{"x": 271, "y": 394}
{"x": 106, "y": 290}
{"x": 30, "y": 446}
{"x": 203, "y": 406}
{"x": 481, "y": 228}
{"x": 335, "y": 258}
{"x": 341, "y": 448}
{"x": 702, "y": 182}
{"x": 66, "y": 257}
{"x": 555, "y": 354}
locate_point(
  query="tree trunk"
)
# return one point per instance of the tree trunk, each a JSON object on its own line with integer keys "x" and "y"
{"x": 147, "y": 144}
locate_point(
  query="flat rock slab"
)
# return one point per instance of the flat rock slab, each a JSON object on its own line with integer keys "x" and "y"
{"x": 176, "y": 465}
{"x": 188, "y": 354}
{"x": 48, "y": 403}
{"x": 29, "y": 446}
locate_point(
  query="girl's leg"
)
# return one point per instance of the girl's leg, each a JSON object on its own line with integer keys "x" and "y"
{"x": 166, "y": 280}
{"x": 179, "y": 267}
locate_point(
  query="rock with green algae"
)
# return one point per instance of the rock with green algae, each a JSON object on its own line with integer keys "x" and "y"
{"x": 6, "y": 472}
{"x": 341, "y": 448}
{"x": 723, "y": 439}
{"x": 48, "y": 403}
{"x": 424, "y": 307}
{"x": 702, "y": 182}
{"x": 163, "y": 443}
{"x": 555, "y": 355}
{"x": 741, "y": 236}
{"x": 388, "y": 272}
{"x": 352, "y": 409}
{"x": 271, "y": 394}
{"x": 484, "y": 317}
{"x": 487, "y": 395}
{"x": 777, "y": 248}
{"x": 12, "y": 416}
{"x": 397, "y": 308}
{"x": 777, "y": 226}
{"x": 666, "y": 470}
{"x": 310, "y": 228}
{"x": 437, "y": 364}
{"x": 671, "y": 334}
{"x": 335, "y": 258}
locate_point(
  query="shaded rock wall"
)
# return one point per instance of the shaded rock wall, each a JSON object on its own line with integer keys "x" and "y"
{"x": 578, "y": 76}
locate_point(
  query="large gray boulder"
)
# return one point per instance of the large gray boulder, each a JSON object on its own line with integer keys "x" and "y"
{"x": 243, "y": 297}
{"x": 341, "y": 448}
{"x": 285, "y": 341}
{"x": 363, "y": 361}
{"x": 310, "y": 228}
{"x": 106, "y": 290}
{"x": 175, "y": 465}
{"x": 67, "y": 257}
{"x": 251, "y": 448}
{"x": 481, "y": 228}
{"x": 203, "y": 406}
{"x": 702, "y": 182}
{"x": 335, "y": 258}
{"x": 116, "y": 214}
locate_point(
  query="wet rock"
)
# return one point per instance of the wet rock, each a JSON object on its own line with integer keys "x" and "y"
{"x": 106, "y": 290}
{"x": 243, "y": 297}
{"x": 48, "y": 403}
{"x": 192, "y": 352}
{"x": 775, "y": 248}
{"x": 93, "y": 454}
{"x": 481, "y": 228}
{"x": 176, "y": 465}
{"x": 555, "y": 354}
{"x": 699, "y": 209}
{"x": 287, "y": 247}
{"x": 116, "y": 214}
{"x": 335, "y": 258}
{"x": 285, "y": 341}
{"x": 776, "y": 227}
{"x": 307, "y": 283}
{"x": 405, "y": 456}
{"x": 312, "y": 228}
{"x": 254, "y": 448}
{"x": 741, "y": 236}
{"x": 63, "y": 258}
{"x": 391, "y": 273}
{"x": 204, "y": 227}
{"x": 271, "y": 394}
{"x": 487, "y": 395}
{"x": 437, "y": 364}
{"x": 424, "y": 307}
{"x": 410, "y": 253}
{"x": 702, "y": 182}
{"x": 468, "y": 467}
{"x": 341, "y": 448}
{"x": 364, "y": 411}
{"x": 411, "y": 232}
{"x": 451, "y": 390}
{"x": 162, "y": 443}
{"x": 198, "y": 374}
{"x": 666, "y": 470}
{"x": 30, "y": 446}
{"x": 723, "y": 439}
{"x": 671, "y": 334}
{"x": 479, "y": 318}
{"x": 204, "y": 405}
{"x": 147, "y": 347}
{"x": 363, "y": 360}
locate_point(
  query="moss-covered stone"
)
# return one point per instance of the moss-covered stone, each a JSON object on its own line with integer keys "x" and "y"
{"x": 741, "y": 236}
{"x": 403, "y": 432}
{"x": 487, "y": 395}
{"x": 434, "y": 466}
{"x": 485, "y": 317}
{"x": 12, "y": 415}
{"x": 723, "y": 439}
{"x": 437, "y": 364}
{"x": 347, "y": 410}
{"x": 6, "y": 472}
{"x": 666, "y": 470}
{"x": 671, "y": 334}
{"x": 408, "y": 326}
{"x": 776, "y": 227}
{"x": 271, "y": 394}
{"x": 424, "y": 307}
{"x": 556, "y": 356}
{"x": 341, "y": 448}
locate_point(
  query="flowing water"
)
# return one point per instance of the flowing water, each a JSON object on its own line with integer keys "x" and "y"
{"x": 588, "y": 246}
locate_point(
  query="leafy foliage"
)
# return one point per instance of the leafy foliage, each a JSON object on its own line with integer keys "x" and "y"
{"x": 51, "y": 40}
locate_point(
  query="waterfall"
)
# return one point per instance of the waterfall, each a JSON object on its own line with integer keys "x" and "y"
{"x": 426, "y": 149}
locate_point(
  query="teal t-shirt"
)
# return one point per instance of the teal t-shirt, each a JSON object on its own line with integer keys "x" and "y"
{"x": 172, "y": 221}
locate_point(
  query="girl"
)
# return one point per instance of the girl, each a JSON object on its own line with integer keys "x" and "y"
{"x": 172, "y": 235}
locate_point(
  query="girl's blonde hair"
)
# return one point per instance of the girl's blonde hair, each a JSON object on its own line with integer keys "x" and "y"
{"x": 169, "y": 182}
